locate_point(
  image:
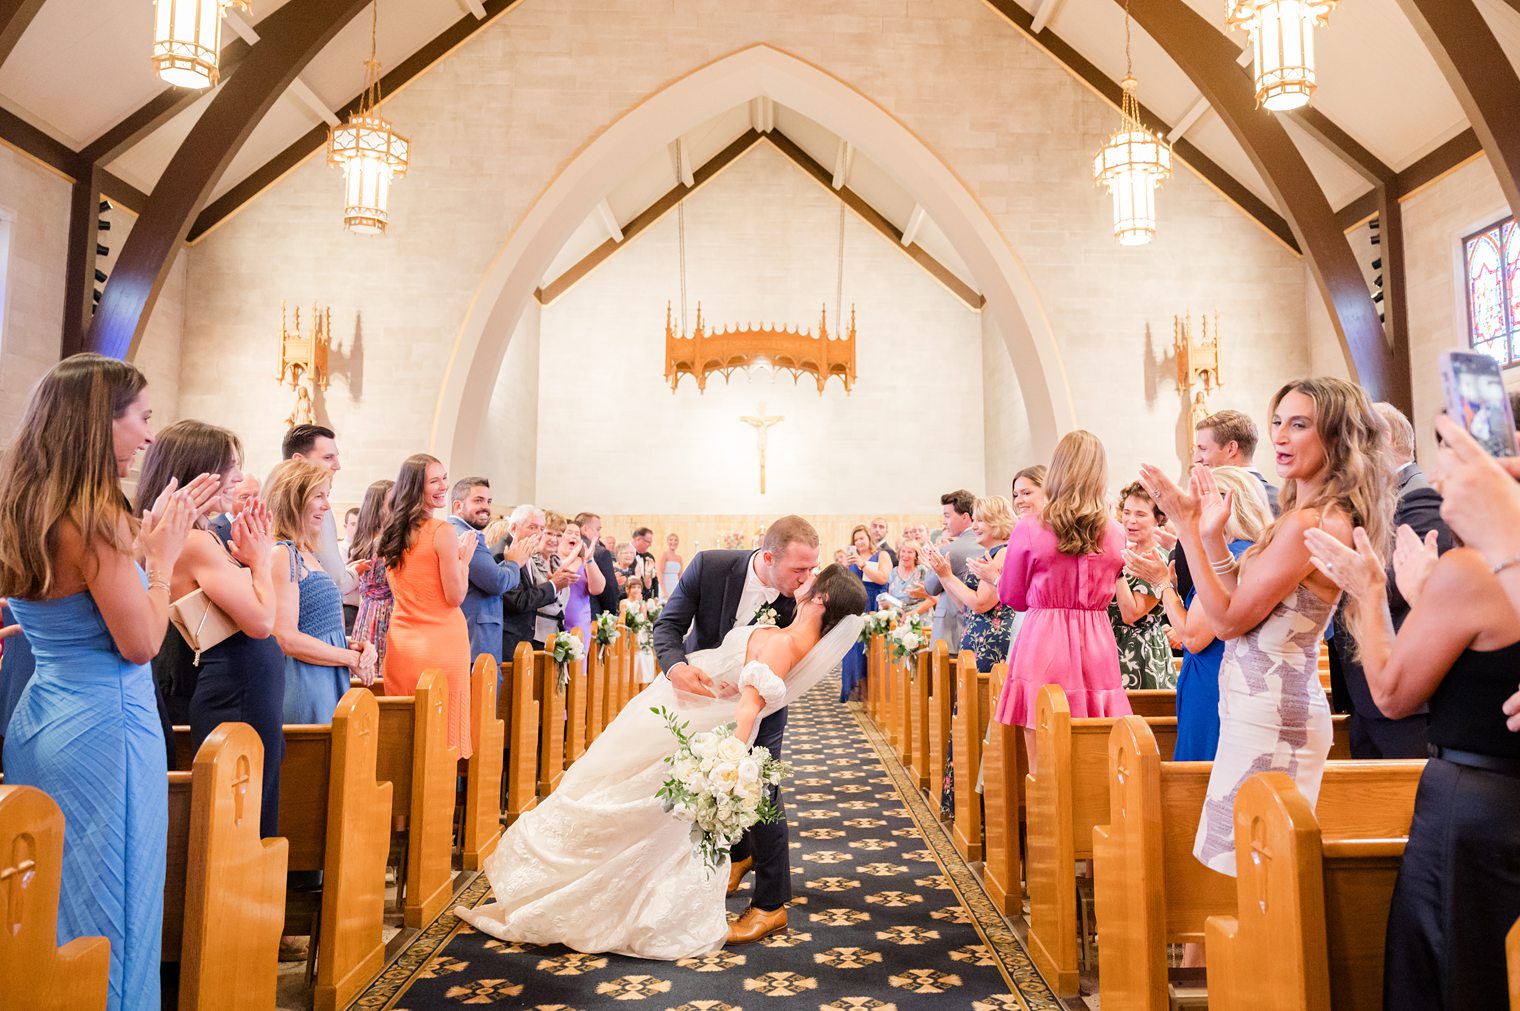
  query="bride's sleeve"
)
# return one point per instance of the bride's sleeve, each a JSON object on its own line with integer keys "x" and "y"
{"x": 771, "y": 688}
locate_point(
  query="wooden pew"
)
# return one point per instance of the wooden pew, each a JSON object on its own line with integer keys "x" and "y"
{"x": 1312, "y": 912}
{"x": 224, "y": 887}
{"x": 1152, "y": 701}
{"x": 415, "y": 757}
{"x": 336, "y": 817}
{"x": 1150, "y": 890}
{"x": 941, "y": 704}
{"x": 1003, "y": 767}
{"x": 597, "y": 683}
{"x": 34, "y": 972}
{"x": 968, "y": 727}
{"x": 523, "y": 734}
{"x": 1067, "y": 798}
{"x": 551, "y": 723}
{"x": 575, "y": 708}
{"x": 916, "y": 713}
{"x": 483, "y": 770}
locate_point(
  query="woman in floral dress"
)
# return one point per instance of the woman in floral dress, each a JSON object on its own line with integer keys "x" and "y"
{"x": 1145, "y": 657}
{"x": 373, "y": 622}
{"x": 986, "y": 622}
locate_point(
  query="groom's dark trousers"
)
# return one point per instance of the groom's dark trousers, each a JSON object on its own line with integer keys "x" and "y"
{"x": 698, "y": 615}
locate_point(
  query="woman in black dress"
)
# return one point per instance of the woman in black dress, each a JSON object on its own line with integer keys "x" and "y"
{"x": 242, "y": 678}
{"x": 1458, "y": 890}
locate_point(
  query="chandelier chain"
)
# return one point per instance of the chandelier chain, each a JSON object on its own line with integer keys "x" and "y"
{"x": 1129, "y": 64}
{"x": 681, "y": 246}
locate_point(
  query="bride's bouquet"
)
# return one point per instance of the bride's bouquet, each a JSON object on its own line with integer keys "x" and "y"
{"x": 718, "y": 783}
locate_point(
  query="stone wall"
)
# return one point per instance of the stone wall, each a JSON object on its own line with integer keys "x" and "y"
{"x": 36, "y": 202}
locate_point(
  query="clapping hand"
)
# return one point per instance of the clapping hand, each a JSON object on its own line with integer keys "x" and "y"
{"x": 204, "y": 490}
{"x": 1147, "y": 567}
{"x": 252, "y": 537}
{"x": 1412, "y": 561}
{"x": 1213, "y": 509}
{"x": 1178, "y": 505}
{"x": 164, "y": 528}
{"x": 988, "y": 567}
{"x": 1166, "y": 537}
{"x": 467, "y": 542}
{"x": 523, "y": 548}
{"x": 1356, "y": 570}
{"x": 936, "y": 560}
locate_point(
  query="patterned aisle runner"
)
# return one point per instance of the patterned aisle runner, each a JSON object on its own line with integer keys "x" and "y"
{"x": 886, "y": 916}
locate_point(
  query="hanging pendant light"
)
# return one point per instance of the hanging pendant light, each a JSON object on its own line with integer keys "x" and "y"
{"x": 1282, "y": 37}
{"x": 1132, "y": 164}
{"x": 370, "y": 153}
{"x": 187, "y": 40}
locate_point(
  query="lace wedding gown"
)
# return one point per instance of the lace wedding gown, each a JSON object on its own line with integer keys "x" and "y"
{"x": 599, "y": 866}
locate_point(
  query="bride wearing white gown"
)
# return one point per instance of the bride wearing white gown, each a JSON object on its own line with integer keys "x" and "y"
{"x": 600, "y": 866}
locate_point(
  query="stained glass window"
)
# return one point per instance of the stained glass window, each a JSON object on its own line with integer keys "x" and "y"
{"x": 1492, "y": 258}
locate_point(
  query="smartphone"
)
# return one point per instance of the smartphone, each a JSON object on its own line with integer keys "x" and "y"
{"x": 1475, "y": 396}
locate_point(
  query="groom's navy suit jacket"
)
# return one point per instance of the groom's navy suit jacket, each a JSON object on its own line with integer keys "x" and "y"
{"x": 704, "y": 602}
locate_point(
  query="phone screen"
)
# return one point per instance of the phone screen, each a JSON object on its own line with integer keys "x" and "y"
{"x": 1476, "y": 397}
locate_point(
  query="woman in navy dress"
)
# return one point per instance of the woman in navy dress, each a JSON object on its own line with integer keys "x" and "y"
{"x": 1198, "y": 682}
{"x": 874, "y": 568}
{"x": 86, "y": 729}
{"x": 242, "y": 678}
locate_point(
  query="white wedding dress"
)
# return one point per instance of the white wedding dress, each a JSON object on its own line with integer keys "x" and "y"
{"x": 599, "y": 866}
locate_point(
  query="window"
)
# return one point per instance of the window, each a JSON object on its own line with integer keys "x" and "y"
{"x": 1492, "y": 258}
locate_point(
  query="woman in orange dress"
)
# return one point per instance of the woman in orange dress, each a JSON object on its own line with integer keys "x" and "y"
{"x": 427, "y": 564}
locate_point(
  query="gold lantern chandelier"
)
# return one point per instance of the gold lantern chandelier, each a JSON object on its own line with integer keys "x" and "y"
{"x": 187, "y": 40}
{"x": 1282, "y": 37}
{"x": 370, "y": 153}
{"x": 1132, "y": 164}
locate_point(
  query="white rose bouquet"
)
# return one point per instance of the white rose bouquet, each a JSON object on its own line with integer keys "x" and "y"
{"x": 718, "y": 783}
{"x": 566, "y": 648}
{"x": 652, "y": 609}
{"x": 909, "y": 638}
{"x": 876, "y": 623}
{"x": 604, "y": 628}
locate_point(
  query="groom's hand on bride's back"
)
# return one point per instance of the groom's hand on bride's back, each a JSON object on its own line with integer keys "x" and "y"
{"x": 691, "y": 680}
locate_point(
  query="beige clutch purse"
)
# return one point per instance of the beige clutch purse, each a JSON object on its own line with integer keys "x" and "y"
{"x": 201, "y": 622}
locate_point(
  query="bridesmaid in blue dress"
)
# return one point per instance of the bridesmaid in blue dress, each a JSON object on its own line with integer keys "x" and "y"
{"x": 242, "y": 678}
{"x": 86, "y": 728}
{"x": 319, "y": 657}
{"x": 874, "y": 570}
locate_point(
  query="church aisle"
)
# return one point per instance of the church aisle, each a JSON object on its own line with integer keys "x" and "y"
{"x": 885, "y": 916}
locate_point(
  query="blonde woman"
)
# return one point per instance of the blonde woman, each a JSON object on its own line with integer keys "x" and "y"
{"x": 308, "y": 610}
{"x": 1272, "y": 606}
{"x": 1060, "y": 568}
{"x": 1198, "y": 683}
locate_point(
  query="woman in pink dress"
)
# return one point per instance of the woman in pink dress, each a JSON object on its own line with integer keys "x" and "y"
{"x": 1060, "y": 569}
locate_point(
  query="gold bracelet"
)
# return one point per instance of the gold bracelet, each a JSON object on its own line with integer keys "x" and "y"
{"x": 157, "y": 580}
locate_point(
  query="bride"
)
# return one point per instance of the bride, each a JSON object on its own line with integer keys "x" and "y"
{"x": 600, "y": 866}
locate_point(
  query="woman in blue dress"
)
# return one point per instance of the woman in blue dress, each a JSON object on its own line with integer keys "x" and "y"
{"x": 1198, "y": 682}
{"x": 242, "y": 678}
{"x": 874, "y": 568}
{"x": 86, "y": 728}
{"x": 308, "y": 617}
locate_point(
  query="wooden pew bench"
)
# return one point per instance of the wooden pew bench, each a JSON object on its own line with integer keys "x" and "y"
{"x": 35, "y": 973}
{"x": 1311, "y": 912}
{"x": 224, "y": 887}
{"x": 1151, "y": 891}
{"x": 519, "y": 699}
{"x": 481, "y": 815}
{"x": 415, "y": 758}
{"x": 1067, "y": 797}
{"x": 967, "y": 728}
{"x": 336, "y": 817}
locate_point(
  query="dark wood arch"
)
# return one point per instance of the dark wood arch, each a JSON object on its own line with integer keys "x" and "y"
{"x": 1203, "y": 52}
{"x": 290, "y": 38}
{"x": 15, "y": 15}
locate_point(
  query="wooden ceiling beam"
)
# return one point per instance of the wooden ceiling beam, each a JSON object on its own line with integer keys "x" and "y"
{"x": 1480, "y": 75}
{"x": 1343, "y": 145}
{"x": 292, "y": 36}
{"x": 1418, "y": 175}
{"x": 313, "y": 140}
{"x": 1085, "y": 71}
{"x": 1209, "y": 58}
{"x": 15, "y": 16}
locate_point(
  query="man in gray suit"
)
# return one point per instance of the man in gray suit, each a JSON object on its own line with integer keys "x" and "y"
{"x": 959, "y": 545}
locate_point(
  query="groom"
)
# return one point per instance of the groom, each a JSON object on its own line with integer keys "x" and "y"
{"x": 718, "y": 590}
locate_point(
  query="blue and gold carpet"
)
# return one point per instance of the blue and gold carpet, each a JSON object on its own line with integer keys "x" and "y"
{"x": 886, "y": 915}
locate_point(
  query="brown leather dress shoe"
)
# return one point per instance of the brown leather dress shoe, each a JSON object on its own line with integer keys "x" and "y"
{"x": 736, "y": 873}
{"x": 756, "y": 924}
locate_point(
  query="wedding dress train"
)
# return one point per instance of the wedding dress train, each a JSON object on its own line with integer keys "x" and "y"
{"x": 600, "y": 866}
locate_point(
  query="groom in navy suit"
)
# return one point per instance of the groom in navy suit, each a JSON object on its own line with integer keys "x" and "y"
{"x": 718, "y": 590}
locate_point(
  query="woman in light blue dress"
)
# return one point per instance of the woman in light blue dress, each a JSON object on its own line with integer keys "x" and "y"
{"x": 86, "y": 729}
{"x": 308, "y": 619}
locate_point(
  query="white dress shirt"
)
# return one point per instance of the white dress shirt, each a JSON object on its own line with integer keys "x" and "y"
{"x": 755, "y": 593}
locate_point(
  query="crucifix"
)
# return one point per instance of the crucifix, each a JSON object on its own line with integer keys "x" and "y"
{"x": 761, "y": 423}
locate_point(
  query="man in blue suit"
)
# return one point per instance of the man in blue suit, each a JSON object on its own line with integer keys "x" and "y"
{"x": 470, "y": 504}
